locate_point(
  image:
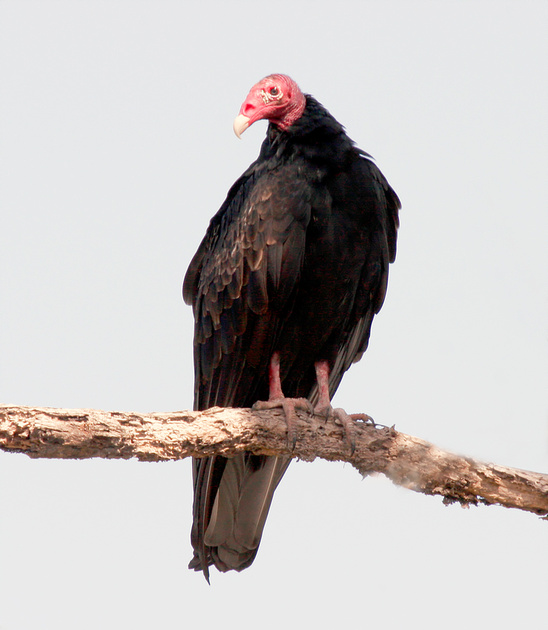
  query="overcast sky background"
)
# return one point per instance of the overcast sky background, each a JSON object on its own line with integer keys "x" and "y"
{"x": 116, "y": 149}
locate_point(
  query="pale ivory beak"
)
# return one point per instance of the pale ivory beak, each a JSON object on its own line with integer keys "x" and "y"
{"x": 241, "y": 123}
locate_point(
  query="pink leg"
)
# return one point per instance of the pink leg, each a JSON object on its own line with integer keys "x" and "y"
{"x": 276, "y": 398}
{"x": 322, "y": 377}
{"x": 274, "y": 381}
{"x": 324, "y": 407}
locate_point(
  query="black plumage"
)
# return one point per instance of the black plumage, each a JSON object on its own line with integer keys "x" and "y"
{"x": 295, "y": 262}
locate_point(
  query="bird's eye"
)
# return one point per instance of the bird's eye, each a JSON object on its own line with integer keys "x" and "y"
{"x": 273, "y": 91}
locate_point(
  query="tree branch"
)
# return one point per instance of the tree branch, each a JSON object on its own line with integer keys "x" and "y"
{"x": 408, "y": 461}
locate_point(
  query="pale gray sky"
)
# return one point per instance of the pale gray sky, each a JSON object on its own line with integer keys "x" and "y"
{"x": 117, "y": 148}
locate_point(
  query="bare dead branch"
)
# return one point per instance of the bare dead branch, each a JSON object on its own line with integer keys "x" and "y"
{"x": 408, "y": 461}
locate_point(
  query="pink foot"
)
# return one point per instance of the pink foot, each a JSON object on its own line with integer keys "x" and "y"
{"x": 341, "y": 417}
{"x": 325, "y": 409}
{"x": 289, "y": 406}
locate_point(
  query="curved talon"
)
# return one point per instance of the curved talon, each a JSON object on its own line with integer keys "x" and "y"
{"x": 347, "y": 421}
{"x": 366, "y": 419}
{"x": 325, "y": 411}
{"x": 348, "y": 427}
{"x": 289, "y": 406}
{"x": 363, "y": 417}
{"x": 291, "y": 419}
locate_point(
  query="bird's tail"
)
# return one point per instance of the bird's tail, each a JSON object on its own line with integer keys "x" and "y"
{"x": 228, "y": 533}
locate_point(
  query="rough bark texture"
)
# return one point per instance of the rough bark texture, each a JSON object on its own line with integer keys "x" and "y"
{"x": 408, "y": 461}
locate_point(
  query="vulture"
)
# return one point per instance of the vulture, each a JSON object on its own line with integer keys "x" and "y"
{"x": 284, "y": 287}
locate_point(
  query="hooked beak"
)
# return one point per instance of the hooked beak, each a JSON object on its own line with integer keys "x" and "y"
{"x": 241, "y": 123}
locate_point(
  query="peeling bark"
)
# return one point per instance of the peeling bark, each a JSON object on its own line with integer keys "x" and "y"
{"x": 406, "y": 460}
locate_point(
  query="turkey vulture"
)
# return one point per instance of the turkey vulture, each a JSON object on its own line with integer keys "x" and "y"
{"x": 284, "y": 287}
